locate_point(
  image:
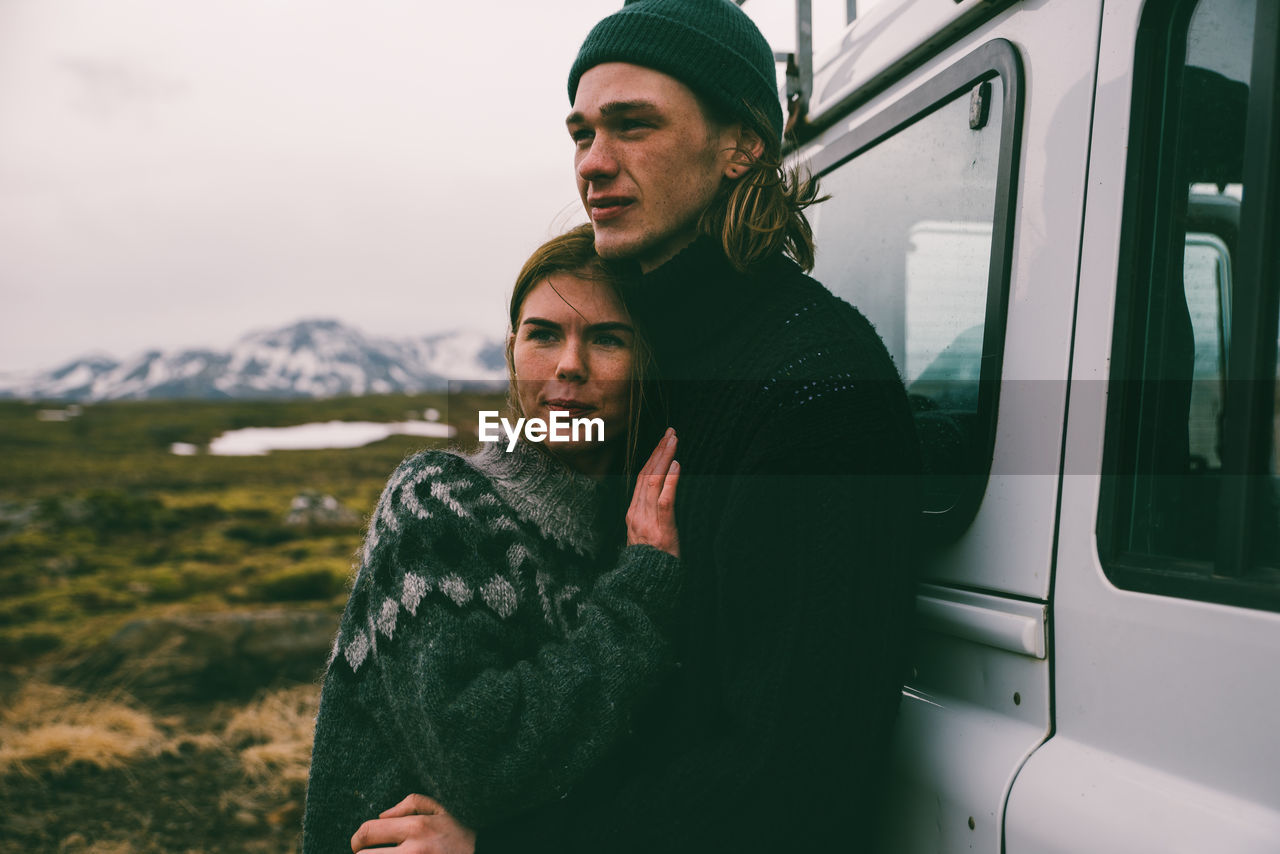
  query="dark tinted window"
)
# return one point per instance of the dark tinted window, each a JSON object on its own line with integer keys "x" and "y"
{"x": 1192, "y": 508}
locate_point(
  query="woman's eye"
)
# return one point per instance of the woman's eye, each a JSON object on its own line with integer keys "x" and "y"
{"x": 536, "y": 334}
{"x": 609, "y": 340}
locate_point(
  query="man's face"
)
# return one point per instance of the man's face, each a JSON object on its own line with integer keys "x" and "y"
{"x": 648, "y": 160}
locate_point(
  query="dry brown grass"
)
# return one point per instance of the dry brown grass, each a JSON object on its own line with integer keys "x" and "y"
{"x": 273, "y": 734}
{"x": 76, "y": 843}
{"x": 271, "y": 738}
{"x": 55, "y": 728}
{"x": 249, "y": 765}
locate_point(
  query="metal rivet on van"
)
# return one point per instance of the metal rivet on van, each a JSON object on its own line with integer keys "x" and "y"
{"x": 1017, "y": 698}
{"x": 972, "y": 823}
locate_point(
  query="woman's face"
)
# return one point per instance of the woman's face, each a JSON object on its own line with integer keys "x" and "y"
{"x": 574, "y": 351}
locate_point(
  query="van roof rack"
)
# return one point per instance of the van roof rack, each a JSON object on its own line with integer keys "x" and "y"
{"x": 800, "y": 62}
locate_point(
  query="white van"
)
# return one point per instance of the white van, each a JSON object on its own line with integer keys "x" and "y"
{"x": 1063, "y": 216}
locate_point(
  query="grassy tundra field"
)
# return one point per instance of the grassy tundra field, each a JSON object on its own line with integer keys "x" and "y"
{"x": 164, "y": 620}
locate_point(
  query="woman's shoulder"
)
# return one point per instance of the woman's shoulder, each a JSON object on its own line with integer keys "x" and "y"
{"x": 435, "y": 461}
{"x": 440, "y": 465}
{"x": 444, "y": 479}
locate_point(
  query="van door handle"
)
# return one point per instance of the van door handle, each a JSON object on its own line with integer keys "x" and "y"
{"x": 1008, "y": 624}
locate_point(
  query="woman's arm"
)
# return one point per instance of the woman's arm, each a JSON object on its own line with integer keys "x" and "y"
{"x": 355, "y": 769}
{"x": 494, "y": 735}
{"x": 492, "y": 720}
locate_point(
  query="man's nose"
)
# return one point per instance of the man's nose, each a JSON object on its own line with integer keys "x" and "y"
{"x": 597, "y": 162}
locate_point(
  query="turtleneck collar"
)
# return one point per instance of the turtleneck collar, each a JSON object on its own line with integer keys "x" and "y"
{"x": 689, "y": 299}
{"x": 565, "y": 505}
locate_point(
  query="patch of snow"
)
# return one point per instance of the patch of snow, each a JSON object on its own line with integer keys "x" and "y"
{"x": 256, "y": 441}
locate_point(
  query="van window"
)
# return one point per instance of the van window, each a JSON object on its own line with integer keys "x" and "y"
{"x": 910, "y": 237}
{"x": 1192, "y": 507}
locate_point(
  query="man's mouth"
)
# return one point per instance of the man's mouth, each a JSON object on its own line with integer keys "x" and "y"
{"x": 604, "y": 208}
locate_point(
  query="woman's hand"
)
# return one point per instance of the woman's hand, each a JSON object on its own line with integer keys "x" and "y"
{"x": 416, "y": 825}
{"x": 651, "y": 519}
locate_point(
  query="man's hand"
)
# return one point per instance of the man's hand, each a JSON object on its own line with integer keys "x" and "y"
{"x": 416, "y": 825}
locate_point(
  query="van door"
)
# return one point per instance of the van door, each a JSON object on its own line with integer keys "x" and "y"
{"x": 953, "y": 139}
{"x": 1167, "y": 589}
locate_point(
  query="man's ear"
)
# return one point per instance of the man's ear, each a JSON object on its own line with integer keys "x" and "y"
{"x": 749, "y": 147}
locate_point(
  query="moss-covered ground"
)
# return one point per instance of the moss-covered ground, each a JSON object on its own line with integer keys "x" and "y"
{"x": 100, "y": 525}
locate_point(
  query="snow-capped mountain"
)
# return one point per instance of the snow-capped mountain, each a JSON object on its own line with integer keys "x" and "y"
{"x": 313, "y": 358}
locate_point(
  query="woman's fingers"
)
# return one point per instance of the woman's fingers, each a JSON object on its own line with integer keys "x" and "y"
{"x": 648, "y": 464}
{"x": 651, "y": 517}
{"x": 655, "y": 468}
{"x": 667, "y": 498}
{"x": 661, "y": 456}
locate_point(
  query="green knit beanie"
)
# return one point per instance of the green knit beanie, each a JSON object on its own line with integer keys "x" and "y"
{"x": 711, "y": 46}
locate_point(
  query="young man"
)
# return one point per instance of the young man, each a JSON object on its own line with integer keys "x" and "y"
{"x": 797, "y": 449}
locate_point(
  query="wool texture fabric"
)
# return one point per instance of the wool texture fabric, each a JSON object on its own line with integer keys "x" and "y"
{"x": 493, "y": 647}
{"x": 797, "y": 509}
{"x": 711, "y": 46}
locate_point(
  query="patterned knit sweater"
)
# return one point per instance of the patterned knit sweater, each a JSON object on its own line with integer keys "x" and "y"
{"x": 493, "y": 647}
{"x": 796, "y": 510}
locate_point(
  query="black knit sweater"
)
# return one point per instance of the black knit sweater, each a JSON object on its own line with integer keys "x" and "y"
{"x": 795, "y": 511}
{"x": 493, "y": 647}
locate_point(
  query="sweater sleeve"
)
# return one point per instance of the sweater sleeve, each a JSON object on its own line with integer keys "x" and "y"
{"x": 356, "y": 772}
{"x": 495, "y": 736}
{"x": 812, "y": 595}
{"x": 491, "y": 717}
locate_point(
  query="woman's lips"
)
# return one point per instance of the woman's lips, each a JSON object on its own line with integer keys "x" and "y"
{"x": 575, "y": 408}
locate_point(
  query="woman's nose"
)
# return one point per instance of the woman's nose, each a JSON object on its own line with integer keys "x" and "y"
{"x": 571, "y": 364}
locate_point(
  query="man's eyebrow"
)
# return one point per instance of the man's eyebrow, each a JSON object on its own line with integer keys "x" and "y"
{"x": 637, "y": 106}
{"x": 613, "y": 108}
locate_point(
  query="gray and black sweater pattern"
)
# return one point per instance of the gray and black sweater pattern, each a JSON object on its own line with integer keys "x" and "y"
{"x": 493, "y": 647}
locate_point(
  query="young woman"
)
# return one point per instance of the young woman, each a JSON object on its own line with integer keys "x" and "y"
{"x": 496, "y": 638}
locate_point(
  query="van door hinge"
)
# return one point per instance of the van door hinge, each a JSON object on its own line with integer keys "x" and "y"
{"x": 796, "y": 100}
{"x": 980, "y": 106}
{"x": 799, "y": 65}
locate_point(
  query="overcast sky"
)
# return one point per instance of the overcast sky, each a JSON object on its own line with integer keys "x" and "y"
{"x": 177, "y": 173}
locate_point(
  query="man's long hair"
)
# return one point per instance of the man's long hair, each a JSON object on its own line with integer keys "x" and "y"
{"x": 761, "y": 214}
